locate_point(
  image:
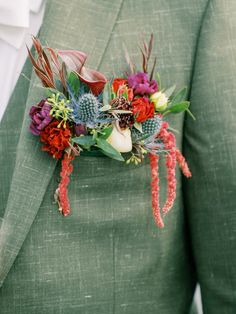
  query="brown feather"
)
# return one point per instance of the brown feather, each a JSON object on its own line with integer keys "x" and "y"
{"x": 153, "y": 68}
{"x": 144, "y": 63}
{"x": 150, "y": 46}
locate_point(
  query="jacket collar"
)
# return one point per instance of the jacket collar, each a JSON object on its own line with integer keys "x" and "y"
{"x": 34, "y": 168}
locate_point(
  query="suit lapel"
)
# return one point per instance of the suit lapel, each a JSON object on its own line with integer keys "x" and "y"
{"x": 34, "y": 168}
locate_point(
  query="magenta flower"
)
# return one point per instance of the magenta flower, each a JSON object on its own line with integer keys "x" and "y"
{"x": 141, "y": 84}
{"x": 40, "y": 116}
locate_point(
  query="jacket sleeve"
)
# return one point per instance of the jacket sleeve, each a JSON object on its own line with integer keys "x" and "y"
{"x": 210, "y": 148}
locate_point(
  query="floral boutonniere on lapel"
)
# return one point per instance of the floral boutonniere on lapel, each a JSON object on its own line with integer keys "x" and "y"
{"x": 82, "y": 110}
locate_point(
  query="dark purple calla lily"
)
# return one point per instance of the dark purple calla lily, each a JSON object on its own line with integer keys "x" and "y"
{"x": 47, "y": 66}
{"x": 75, "y": 60}
{"x": 94, "y": 79}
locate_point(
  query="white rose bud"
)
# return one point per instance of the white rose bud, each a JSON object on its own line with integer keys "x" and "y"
{"x": 120, "y": 139}
{"x": 160, "y": 101}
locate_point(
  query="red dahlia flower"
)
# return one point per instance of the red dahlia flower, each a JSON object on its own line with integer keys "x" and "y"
{"x": 143, "y": 108}
{"x": 56, "y": 139}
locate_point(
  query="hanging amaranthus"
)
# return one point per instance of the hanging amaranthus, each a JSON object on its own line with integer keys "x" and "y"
{"x": 173, "y": 156}
{"x": 61, "y": 194}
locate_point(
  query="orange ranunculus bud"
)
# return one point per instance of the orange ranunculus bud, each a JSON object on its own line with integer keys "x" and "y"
{"x": 117, "y": 83}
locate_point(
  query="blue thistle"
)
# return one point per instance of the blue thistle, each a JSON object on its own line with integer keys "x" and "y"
{"x": 86, "y": 109}
{"x": 150, "y": 127}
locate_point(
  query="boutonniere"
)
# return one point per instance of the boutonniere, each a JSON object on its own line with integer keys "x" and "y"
{"x": 83, "y": 110}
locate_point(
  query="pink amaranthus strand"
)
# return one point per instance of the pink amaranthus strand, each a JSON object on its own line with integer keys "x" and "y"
{"x": 62, "y": 191}
{"x": 171, "y": 181}
{"x": 169, "y": 142}
{"x": 155, "y": 190}
{"x": 182, "y": 163}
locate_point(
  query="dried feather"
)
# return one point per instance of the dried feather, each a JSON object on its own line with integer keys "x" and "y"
{"x": 46, "y": 82}
{"x": 47, "y": 64}
{"x": 150, "y": 46}
{"x": 41, "y": 65}
{"x": 33, "y": 61}
{"x": 62, "y": 74}
{"x": 144, "y": 60}
{"x": 145, "y": 47}
{"x": 153, "y": 68}
{"x": 54, "y": 58}
{"x": 128, "y": 60}
{"x": 37, "y": 44}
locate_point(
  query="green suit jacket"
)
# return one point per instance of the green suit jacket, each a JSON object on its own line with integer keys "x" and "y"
{"x": 108, "y": 256}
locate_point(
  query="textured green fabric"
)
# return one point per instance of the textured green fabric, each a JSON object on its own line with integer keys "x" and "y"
{"x": 210, "y": 146}
{"x": 9, "y": 132}
{"x": 108, "y": 256}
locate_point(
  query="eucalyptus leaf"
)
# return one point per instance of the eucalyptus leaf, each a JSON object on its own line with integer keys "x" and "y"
{"x": 138, "y": 126}
{"x": 120, "y": 111}
{"x": 105, "y": 108}
{"x": 169, "y": 91}
{"x": 177, "y": 108}
{"x": 113, "y": 95}
{"x": 105, "y": 133}
{"x": 125, "y": 94}
{"x": 85, "y": 140}
{"x": 191, "y": 115}
{"x": 107, "y": 94}
{"x": 108, "y": 150}
{"x": 74, "y": 83}
{"x": 180, "y": 96}
{"x": 144, "y": 137}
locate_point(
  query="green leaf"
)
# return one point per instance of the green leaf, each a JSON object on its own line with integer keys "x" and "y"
{"x": 84, "y": 140}
{"x": 180, "y": 96}
{"x": 169, "y": 91}
{"x": 177, "y": 108}
{"x": 106, "y": 94}
{"x": 138, "y": 126}
{"x": 121, "y": 111}
{"x": 105, "y": 108}
{"x": 74, "y": 82}
{"x": 113, "y": 95}
{"x": 125, "y": 94}
{"x": 105, "y": 133}
{"x": 191, "y": 115}
{"x": 108, "y": 150}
